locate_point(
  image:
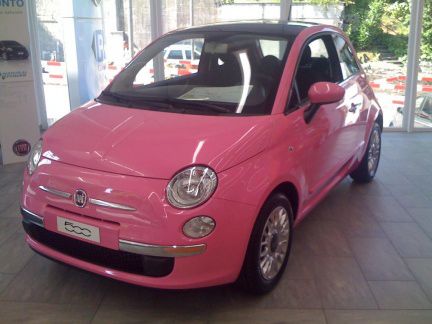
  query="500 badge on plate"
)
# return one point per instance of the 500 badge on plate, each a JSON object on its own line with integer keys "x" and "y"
{"x": 84, "y": 231}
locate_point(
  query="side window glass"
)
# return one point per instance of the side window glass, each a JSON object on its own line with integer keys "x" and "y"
{"x": 347, "y": 61}
{"x": 428, "y": 107}
{"x": 314, "y": 67}
{"x": 419, "y": 102}
{"x": 188, "y": 54}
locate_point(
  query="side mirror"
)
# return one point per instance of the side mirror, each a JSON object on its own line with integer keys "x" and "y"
{"x": 325, "y": 92}
{"x": 321, "y": 93}
{"x": 400, "y": 110}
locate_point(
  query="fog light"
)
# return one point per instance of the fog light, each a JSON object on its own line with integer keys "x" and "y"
{"x": 198, "y": 227}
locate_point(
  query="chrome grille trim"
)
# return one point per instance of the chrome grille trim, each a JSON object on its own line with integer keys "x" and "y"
{"x": 96, "y": 202}
{"x": 56, "y": 192}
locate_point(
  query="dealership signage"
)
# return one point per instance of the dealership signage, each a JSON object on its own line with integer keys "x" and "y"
{"x": 12, "y": 3}
{"x": 18, "y": 113}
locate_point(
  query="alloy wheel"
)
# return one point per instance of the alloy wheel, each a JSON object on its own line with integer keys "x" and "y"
{"x": 274, "y": 243}
{"x": 374, "y": 152}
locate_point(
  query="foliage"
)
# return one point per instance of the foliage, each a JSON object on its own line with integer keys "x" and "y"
{"x": 326, "y": 2}
{"x": 363, "y": 21}
{"x": 427, "y": 32}
{"x": 374, "y": 23}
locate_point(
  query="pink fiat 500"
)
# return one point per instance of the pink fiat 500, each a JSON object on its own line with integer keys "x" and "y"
{"x": 193, "y": 172}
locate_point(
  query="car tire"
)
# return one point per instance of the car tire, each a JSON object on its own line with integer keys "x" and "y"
{"x": 368, "y": 166}
{"x": 269, "y": 246}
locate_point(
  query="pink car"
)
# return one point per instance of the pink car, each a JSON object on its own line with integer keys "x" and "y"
{"x": 184, "y": 180}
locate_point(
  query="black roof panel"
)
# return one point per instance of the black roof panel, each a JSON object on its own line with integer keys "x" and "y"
{"x": 280, "y": 28}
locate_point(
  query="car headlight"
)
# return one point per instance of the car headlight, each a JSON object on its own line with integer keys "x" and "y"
{"x": 34, "y": 157}
{"x": 191, "y": 187}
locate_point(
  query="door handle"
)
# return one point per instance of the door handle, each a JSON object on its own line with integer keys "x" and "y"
{"x": 354, "y": 107}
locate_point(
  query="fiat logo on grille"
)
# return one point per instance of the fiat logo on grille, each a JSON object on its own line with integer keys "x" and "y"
{"x": 80, "y": 198}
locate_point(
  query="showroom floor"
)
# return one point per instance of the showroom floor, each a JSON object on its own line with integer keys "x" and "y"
{"x": 363, "y": 255}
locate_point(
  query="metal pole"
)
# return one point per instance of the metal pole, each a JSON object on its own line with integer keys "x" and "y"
{"x": 156, "y": 31}
{"x": 416, "y": 20}
{"x": 191, "y": 13}
{"x": 155, "y": 18}
{"x": 130, "y": 30}
{"x": 285, "y": 10}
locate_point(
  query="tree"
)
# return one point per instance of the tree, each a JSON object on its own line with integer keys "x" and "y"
{"x": 427, "y": 32}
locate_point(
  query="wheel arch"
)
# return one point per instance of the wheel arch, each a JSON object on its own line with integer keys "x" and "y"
{"x": 290, "y": 191}
{"x": 380, "y": 120}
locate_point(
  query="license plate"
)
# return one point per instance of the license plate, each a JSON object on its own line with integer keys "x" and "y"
{"x": 84, "y": 231}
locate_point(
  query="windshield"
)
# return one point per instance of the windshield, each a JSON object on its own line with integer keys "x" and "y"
{"x": 211, "y": 73}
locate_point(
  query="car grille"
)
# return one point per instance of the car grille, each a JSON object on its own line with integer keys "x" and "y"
{"x": 113, "y": 259}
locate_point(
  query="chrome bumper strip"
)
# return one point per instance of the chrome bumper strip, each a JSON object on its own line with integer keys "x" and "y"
{"x": 96, "y": 202}
{"x": 161, "y": 250}
{"x": 56, "y": 192}
{"x": 32, "y": 217}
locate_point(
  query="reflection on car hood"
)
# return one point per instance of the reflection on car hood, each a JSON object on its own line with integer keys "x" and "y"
{"x": 153, "y": 144}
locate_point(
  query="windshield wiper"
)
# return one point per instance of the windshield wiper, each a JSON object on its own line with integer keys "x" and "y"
{"x": 161, "y": 102}
{"x": 133, "y": 101}
{"x": 195, "y": 105}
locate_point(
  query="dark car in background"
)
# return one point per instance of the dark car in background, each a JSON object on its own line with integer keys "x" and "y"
{"x": 12, "y": 50}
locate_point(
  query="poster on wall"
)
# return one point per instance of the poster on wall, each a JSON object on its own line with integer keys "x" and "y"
{"x": 15, "y": 61}
{"x": 18, "y": 113}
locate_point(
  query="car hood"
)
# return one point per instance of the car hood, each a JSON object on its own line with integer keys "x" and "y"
{"x": 153, "y": 144}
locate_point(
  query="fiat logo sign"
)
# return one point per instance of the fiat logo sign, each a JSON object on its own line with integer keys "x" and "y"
{"x": 80, "y": 198}
{"x": 21, "y": 147}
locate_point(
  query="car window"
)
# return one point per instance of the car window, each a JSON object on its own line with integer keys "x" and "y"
{"x": 175, "y": 55}
{"x": 427, "y": 108}
{"x": 347, "y": 61}
{"x": 188, "y": 54}
{"x": 273, "y": 47}
{"x": 317, "y": 64}
{"x": 419, "y": 102}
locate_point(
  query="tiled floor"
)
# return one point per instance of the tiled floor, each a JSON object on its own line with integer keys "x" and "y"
{"x": 364, "y": 255}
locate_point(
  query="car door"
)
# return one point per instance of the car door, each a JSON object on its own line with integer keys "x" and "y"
{"x": 323, "y": 134}
{"x": 354, "y": 81}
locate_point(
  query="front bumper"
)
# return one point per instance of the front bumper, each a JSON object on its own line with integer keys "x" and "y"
{"x": 153, "y": 230}
{"x": 168, "y": 251}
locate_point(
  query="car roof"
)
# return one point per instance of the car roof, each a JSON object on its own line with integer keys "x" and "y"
{"x": 9, "y": 42}
{"x": 271, "y": 27}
